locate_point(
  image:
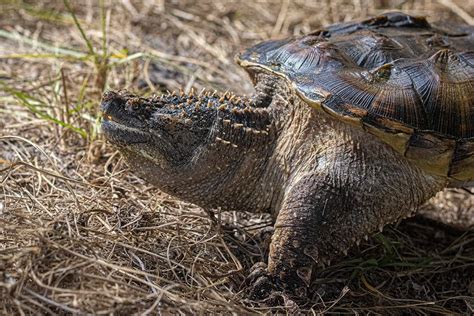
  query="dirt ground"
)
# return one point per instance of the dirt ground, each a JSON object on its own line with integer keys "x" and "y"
{"x": 80, "y": 234}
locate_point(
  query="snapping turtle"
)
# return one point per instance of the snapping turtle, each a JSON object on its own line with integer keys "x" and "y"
{"x": 351, "y": 127}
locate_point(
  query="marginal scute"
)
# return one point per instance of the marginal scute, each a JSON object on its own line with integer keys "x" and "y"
{"x": 462, "y": 165}
{"x": 431, "y": 152}
{"x": 393, "y": 133}
{"x": 396, "y": 76}
{"x": 335, "y": 106}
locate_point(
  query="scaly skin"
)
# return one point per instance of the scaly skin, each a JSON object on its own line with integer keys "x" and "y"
{"x": 327, "y": 184}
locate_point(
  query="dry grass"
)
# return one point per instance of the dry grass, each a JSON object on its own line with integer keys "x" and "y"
{"x": 80, "y": 234}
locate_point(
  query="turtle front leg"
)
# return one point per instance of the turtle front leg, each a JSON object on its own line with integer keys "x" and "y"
{"x": 325, "y": 213}
{"x": 318, "y": 221}
{"x": 312, "y": 226}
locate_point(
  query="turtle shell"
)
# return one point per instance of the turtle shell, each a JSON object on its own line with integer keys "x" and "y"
{"x": 398, "y": 77}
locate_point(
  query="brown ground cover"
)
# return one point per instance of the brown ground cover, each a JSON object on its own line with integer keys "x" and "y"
{"x": 81, "y": 234}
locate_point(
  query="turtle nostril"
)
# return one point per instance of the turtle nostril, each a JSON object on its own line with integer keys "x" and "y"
{"x": 110, "y": 106}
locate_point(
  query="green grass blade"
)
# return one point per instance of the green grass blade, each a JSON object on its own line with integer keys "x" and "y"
{"x": 35, "y": 105}
{"x": 79, "y": 27}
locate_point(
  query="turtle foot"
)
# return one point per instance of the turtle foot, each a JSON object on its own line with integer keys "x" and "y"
{"x": 264, "y": 289}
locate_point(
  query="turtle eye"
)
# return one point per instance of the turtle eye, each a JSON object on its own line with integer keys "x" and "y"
{"x": 108, "y": 117}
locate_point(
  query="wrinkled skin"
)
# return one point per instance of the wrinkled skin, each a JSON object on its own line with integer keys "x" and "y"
{"x": 326, "y": 183}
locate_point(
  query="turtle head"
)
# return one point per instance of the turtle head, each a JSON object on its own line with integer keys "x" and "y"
{"x": 195, "y": 147}
{"x": 167, "y": 129}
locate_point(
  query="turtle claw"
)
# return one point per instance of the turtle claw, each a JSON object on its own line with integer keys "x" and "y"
{"x": 259, "y": 282}
{"x": 256, "y": 271}
{"x": 263, "y": 288}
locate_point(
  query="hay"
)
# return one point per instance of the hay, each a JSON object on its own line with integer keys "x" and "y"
{"x": 80, "y": 234}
